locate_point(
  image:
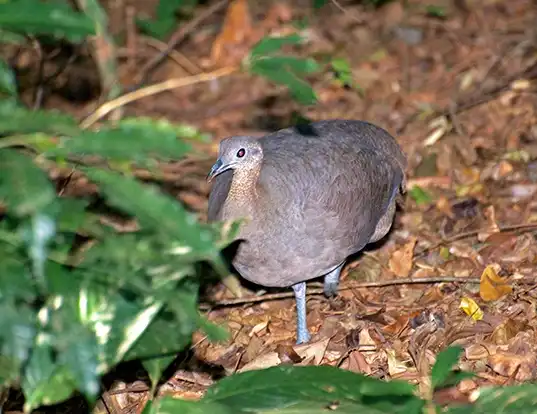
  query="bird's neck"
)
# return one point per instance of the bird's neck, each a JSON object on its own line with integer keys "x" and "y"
{"x": 242, "y": 195}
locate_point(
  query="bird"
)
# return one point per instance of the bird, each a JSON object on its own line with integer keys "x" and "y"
{"x": 309, "y": 196}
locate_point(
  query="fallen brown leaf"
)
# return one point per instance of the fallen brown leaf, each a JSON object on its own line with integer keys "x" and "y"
{"x": 401, "y": 260}
{"x": 230, "y": 46}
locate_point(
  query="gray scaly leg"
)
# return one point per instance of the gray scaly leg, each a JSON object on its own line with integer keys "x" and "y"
{"x": 331, "y": 281}
{"x": 302, "y": 334}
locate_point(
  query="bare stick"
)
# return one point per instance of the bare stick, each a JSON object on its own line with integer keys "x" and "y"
{"x": 167, "y": 85}
{"x": 347, "y": 286}
{"x": 176, "y": 38}
{"x": 522, "y": 228}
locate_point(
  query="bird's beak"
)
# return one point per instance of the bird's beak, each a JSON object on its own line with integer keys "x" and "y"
{"x": 216, "y": 169}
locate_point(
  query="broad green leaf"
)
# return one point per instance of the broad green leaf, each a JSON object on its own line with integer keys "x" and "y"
{"x": 11, "y": 38}
{"x": 169, "y": 405}
{"x": 17, "y": 335}
{"x": 419, "y": 195}
{"x": 163, "y": 126}
{"x": 312, "y": 389}
{"x": 8, "y": 85}
{"x": 38, "y": 236}
{"x": 319, "y": 3}
{"x": 269, "y": 45}
{"x": 443, "y": 366}
{"x": 24, "y": 188}
{"x": 296, "y": 65}
{"x": 159, "y": 29}
{"x": 436, "y": 11}
{"x": 165, "y": 20}
{"x": 16, "y": 279}
{"x": 519, "y": 399}
{"x": 44, "y": 18}
{"x": 300, "y": 89}
{"x": 158, "y": 212}
{"x": 78, "y": 353}
{"x": 19, "y": 120}
{"x": 128, "y": 141}
{"x": 44, "y": 382}
{"x": 155, "y": 366}
{"x": 184, "y": 314}
{"x": 214, "y": 332}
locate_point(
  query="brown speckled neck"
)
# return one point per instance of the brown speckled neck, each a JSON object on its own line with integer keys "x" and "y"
{"x": 242, "y": 195}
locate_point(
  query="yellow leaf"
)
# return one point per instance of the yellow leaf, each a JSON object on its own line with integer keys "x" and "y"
{"x": 492, "y": 286}
{"x": 471, "y": 308}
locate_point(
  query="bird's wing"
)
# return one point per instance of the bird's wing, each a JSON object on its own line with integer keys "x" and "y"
{"x": 219, "y": 192}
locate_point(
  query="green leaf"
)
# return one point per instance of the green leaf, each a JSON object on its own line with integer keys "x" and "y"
{"x": 8, "y": 84}
{"x": 16, "y": 279}
{"x": 420, "y": 196}
{"x": 519, "y": 399}
{"x": 445, "y": 361}
{"x": 128, "y": 141}
{"x": 264, "y": 60}
{"x": 269, "y": 45}
{"x": 169, "y": 405}
{"x": 300, "y": 89}
{"x": 165, "y": 18}
{"x": 24, "y": 188}
{"x": 159, "y": 29}
{"x": 158, "y": 212}
{"x": 17, "y": 335}
{"x": 44, "y": 18}
{"x": 15, "y": 119}
{"x": 312, "y": 389}
{"x": 11, "y": 38}
{"x": 44, "y": 382}
{"x": 215, "y": 333}
{"x": 319, "y": 3}
{"x": 436, "y": 11}
{"x": 79, "y": 354}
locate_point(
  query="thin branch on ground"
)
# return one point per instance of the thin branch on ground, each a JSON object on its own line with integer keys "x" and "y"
{"x": 346, "y": 286}
{"x": 473, "y": 101}
{"x": 522, "y": 228}
{"x": 167, "y": 85}
{"x": 175, "y": 39}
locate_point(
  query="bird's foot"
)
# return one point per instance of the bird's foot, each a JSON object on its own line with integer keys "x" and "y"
{"x": 330, "y": 289}
{"x": 302, "y": 336}
{"x": 331, "y": 282}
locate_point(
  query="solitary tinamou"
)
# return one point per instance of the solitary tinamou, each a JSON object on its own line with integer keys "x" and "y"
{"x": 311, "y": 195}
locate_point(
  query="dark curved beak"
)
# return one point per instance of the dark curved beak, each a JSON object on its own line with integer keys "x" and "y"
{"x": 216, "y": 169}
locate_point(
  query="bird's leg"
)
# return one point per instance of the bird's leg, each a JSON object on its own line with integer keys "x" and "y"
{"x": 302, "y": 333}
{"x": 331, "y": 281}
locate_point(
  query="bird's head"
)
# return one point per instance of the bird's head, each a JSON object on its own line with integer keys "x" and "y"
{"x": 237, "y": 153}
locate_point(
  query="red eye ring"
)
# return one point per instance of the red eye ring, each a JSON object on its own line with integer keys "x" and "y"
{"x": 241, "y": 153}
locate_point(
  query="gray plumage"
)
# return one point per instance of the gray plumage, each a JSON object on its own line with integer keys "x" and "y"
{"x": 312, "y": 195}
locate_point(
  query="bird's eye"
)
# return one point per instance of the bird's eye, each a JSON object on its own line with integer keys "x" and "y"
{"x": 241, "y": 152}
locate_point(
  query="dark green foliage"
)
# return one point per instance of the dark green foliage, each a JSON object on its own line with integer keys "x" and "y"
{"x": 52, "y": 18}
{"x": 266, "y": 59}
{"x": 165, "y": 18}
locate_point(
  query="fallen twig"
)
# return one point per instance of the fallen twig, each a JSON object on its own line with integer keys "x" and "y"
{"x": 527, "y": 227}
{"x": 175, "y": 39}
{"x": 483, "y": 97}
{"x": 346, "y": 286}
{"x": 154, "y": 89}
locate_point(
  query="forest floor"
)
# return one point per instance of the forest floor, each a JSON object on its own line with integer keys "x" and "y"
{"x": 460, "y": 94}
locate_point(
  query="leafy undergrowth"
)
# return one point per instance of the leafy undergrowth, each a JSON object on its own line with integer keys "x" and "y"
{"x": 99, "y": 268}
